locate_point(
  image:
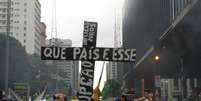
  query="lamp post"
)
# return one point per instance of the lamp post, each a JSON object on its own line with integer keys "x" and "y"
{"x": 157, "y": 58}
{"x": 156, "y": 78}
{"x": 166, "y": 90}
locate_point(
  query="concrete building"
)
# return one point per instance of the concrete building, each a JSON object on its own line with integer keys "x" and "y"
{"x": 43, "y": 34}
{"x": 25, "y": 17}
{"x": 144, "y": 22}
{"x": 75, "y": 78}
{"x": 67, "y": 72}
{"x": 114, "y": 69}
{"x": 176, "y": 89}
{"x": 112, "y": 72}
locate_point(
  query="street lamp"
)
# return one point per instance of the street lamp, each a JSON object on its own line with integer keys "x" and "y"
{"x": 156, "y": 77}
{"x": 157, "y": 57}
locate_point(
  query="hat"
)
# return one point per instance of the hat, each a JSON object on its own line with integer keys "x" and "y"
{"x": 129, "y": 93}
{"x": 147, "y": 90}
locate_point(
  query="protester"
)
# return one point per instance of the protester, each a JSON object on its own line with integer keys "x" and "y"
{"x": 59, "y": 97}
{"x": 121, "y": 98}
{"x": 1, "y": 94}
{"x": 194, "y": 94}
{"x": 130, "y": 95}
{"x": 148, "y": 96}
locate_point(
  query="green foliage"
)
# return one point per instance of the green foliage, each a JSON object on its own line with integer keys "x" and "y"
{"x": 18, "y": 62}
{"x": 23, "y": 68}
{"x": 111, "y": 88}
{"x": 41, "y": 73}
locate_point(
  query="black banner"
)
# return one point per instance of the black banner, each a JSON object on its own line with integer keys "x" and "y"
{"x": 87, "y": 67}
{"x": 88, "y": 54}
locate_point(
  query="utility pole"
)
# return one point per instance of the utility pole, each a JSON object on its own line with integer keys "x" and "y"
{"x": 7, "y": 45}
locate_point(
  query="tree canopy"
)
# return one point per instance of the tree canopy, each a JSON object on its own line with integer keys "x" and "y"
{"x": 112, "y": 88}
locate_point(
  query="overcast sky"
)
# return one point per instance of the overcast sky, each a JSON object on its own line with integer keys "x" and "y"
{"x": 71, "y": 15}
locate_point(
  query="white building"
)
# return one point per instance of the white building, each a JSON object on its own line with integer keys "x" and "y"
{"x": 176, "y": 89}
{"x": 67, "y": 71}
{"x": 25, "y": 23}
{"x": 43, "y": 34}
{"x": 113, "y": 68}
{"x": 112, "y": 71}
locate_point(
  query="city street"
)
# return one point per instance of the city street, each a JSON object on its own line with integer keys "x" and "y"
{"x": 100, "y": 50}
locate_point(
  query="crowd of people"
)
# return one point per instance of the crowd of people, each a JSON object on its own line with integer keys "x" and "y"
{"x": 129, "y": 96}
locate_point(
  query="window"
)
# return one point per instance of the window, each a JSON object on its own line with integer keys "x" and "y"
{"x": 24, "y": 34}
{"x": 3, "y": 22}
{"x": 25, "y": 22}
{"x": 25, "y": 28}
{"x": 17, "y": 3}
{"x": 24, "y": 41}
{"x": 25, "y": 10}
{"x": 17, "y": 15}
{"x": 3, "y": 16}
{"x": 4, "y": 10}
{"x": 17, "y": 9}
{"x": 25, "y": 4}
{"x": 17, "y": 21}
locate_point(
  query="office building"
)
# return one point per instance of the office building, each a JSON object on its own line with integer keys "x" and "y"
{"x": 144, "y": 22}
{"x": 42, "y": 34}
{"x": 67, "y": 72}
{"x": 112, "y": 72}
{"x": 114, "y": 69}
{"x": 25, "y": 25}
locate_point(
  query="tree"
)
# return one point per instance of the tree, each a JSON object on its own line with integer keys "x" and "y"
{"x": 23, "y": 68}
{"x": 112, "y": 88}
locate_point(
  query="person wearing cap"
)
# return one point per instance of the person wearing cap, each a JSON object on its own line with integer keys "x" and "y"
{"x": 148, "y": 96}
{"x": 121, "y": 98}
{"x": 130, "y": 95}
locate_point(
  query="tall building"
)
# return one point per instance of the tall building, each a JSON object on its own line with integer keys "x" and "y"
{"x": 114, "y": 69}
{"x": 75, "y": 78}
{"x": 144, "y": 22}
{"x": 43, "y": 34}
{"x": 67, "y": 72}
{"x": 25, "y": 25}
{"x": 171, "y": 89}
